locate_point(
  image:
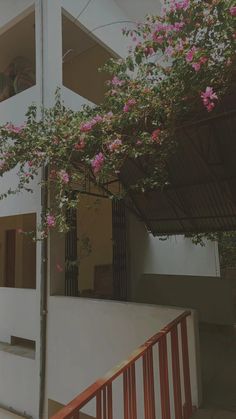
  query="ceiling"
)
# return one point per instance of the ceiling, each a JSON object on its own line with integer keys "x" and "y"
{"x": 201, "y": 194}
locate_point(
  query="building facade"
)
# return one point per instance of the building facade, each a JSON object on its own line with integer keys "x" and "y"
{"x": 60, "y": 330}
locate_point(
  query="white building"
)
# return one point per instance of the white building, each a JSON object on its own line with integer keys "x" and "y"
{"x": 52, "y": 343}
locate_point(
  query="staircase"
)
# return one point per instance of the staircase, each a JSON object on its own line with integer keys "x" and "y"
{"x": 153, "y": 383}
{"x": 214, "y": 414}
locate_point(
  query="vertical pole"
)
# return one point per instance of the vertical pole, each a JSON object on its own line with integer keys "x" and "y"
{"x": 164, "y": 378}
{"x": 176, "y": 373}
{"x": 186, "y": 370}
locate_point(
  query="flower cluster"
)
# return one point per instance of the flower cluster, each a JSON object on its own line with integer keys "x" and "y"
{"x": 209, "y": 97}
{"x": 180, "y": 64}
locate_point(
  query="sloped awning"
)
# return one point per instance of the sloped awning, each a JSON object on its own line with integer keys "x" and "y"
{"x": 201, "y": 194}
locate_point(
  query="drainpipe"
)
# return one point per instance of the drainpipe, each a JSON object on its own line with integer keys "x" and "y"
{"x": 43, "y": 279}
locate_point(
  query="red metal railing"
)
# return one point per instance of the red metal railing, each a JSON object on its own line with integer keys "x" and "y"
{"x": 102, "y": 392}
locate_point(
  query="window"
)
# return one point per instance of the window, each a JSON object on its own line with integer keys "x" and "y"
{"x": 17, "y": 56}
{"x": 83, "y": 55}
{"x": 17, "y": 252}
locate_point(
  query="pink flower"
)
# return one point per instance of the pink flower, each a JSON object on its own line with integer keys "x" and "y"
{"x": 210, "y": 106}
{"x": 196, "y": 66}
{"x": 209, "y": 94}
{"x": 109, "y": 115}
{"x": 86, "y": 126}
{"x": 63, "y": 175}
{"x": 13, "y": 129}
{"x": 97, "y": 163}
{"x": 203, "y": 60}
{"x": 155, "y": 135}
{"x": 50, "y": 220}
{"x": 116, "y": 81}
{"x": 208, "y": 98}
{"x": 80, "y": 145}
{"x": 96, "y": 119}
{"x": 115, "y": 145}
{"x": 149, "y": 51}
{"x": 179, "y": 5}
{"x": 129, "y": 104}
{"x": 169, "y": 51}
{"x": 178, "y": 26}
{"x": 157, "y": 38}
{"x": 190, "y": 54}
{"x": 232, "y": 11}
{"x": 180, "y": 46}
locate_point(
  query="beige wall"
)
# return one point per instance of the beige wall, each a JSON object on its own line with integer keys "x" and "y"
{"x": 24, "y": 32}
{"x": 54, "y": 407}
{"x": 25, "y": 262}
{"x": 94, "y": 224}
{"x": 83, "y": 55}
{"x": 82, "y": 76}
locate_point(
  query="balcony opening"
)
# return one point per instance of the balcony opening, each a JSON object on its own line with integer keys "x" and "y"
{"x": 83, "y": 55}
{"x": 17, "y": 55}
{"x": 17, "y": 251}
{"x": 91, "y": 260}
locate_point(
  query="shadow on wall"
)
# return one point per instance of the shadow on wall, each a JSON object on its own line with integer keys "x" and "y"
{"x": 211, "y": 297}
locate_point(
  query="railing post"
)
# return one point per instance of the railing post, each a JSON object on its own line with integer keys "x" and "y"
{"x": 148, "y": 385}
{"x": 188, "y": 409}
{"x": 109, "y": 401}
{"x": 164, "y": 378}
{"x": 129, "y": 389}
{"x": 99, "y": 405}
{"x": 104, "y": 402}
{"x": 176, "y": 373}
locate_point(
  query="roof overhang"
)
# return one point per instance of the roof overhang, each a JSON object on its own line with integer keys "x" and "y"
{"x": 201, "y": 193}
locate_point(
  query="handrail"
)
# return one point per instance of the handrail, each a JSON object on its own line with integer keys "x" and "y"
{"x": 103, "y": 386}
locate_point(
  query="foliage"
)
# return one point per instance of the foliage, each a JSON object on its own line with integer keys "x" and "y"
{"x": 180, "y": 64}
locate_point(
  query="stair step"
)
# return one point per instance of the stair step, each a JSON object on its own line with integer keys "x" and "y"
{"x": 214, "y": 414}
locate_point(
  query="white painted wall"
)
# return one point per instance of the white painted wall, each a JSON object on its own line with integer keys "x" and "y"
{"x": 174, "y": 256}
{"x": 96, "y": 336}
{"x": 18, "y": 383}
{"x": 12, "y": 8}
{"x": 19, "y": 309}
{"x": 141, "y": 9}
{"x": 18, "y": 314}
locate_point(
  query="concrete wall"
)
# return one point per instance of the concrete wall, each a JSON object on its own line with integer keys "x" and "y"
{"x": 211, "y": 297}
{"x": 10, "y": 9}
{"x": 174, "y": 256}
{"x": 19, "y": 308}
{"x": 19, "y": 376}
{"x": 96, "y": 336}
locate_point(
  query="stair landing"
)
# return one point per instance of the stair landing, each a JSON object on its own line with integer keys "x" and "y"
{"x": 214, "y": 414}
